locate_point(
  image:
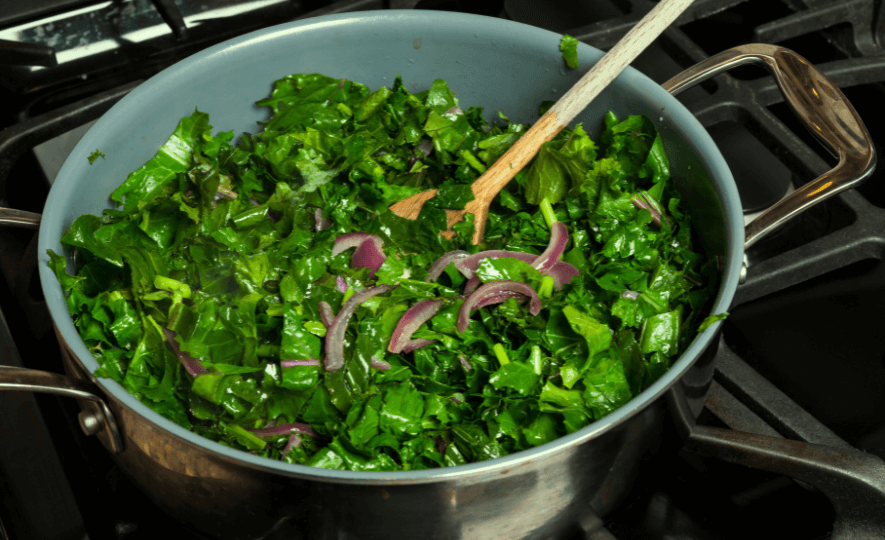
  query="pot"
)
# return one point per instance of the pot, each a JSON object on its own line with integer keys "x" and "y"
{"x": 502, "y": 65}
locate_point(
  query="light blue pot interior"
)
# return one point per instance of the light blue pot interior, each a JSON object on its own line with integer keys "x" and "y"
{"x": 494, "y": 63}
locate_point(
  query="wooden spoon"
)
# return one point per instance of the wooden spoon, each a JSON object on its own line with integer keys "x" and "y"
{"x": 487, "y": 186}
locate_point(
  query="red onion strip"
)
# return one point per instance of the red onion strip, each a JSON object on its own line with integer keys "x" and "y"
{"x": 379, "y": 364}
{"x": 468, "y": 265}
{"x": 320, "y": 224}
{"x": 640, "y": 202}
{"x": 353, "y": 240}
{"x": 191, "y": 364}
{"x": 414, "y": 344}
{"x": 471, "y": 285}
{"x": 294, "y": 442}
{"x": 285, "y": 429}
{"x": 558, "y": 241}
{"x": 464, "y": 362}
{"x": 561, "y": 272}
{"x": 437, "y": 268}
{"x": 441, "y": 445}
{"x": 368, "y": 255}
{"x": 335, "y": 334}
{"x": 423, "y": 150}
{"x": 294, "y": 363}
{"x": 496, "y": 292}
{"x": 326, "y": 313}
{"x": 411, "y": 320}
{"x": 341, "y": 284}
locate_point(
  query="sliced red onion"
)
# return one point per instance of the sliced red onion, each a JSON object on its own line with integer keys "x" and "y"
{"x": 341, "y": 284}
{"x": 285, "y": 429}
{"x": 639, "y": 202}
{"x": 293, "y": 363}
{"x": 191, "y": 364}
{"x": 441, "y": 445}
{"x": 294, "y": 442}
{"x": 320, "y": 223}
{"x": 630, "y": 295}
{"x": 379, "y": 364}
{"x": 326, "y": 313}
{"x": 555, "y": 248}
{"x": 411, "y": 320}
{"x": 353, "y": 240}
{"x": 471, "y": 285}
{"x": 437, "y": 268}
{"x": 464, "y": 362}
{"x": 335, "y": 334}
{"x": 423, "y": 150}
{"x": 426, "y": 147}
{"x": 414, "y": 344}
{"x": 495, "y": 293}
{"x": 468, "y": 265}
{"x": 368, "y": 255}
{"x": 497, "y": 299}
{"x": 454, "y": 110}
{"x": 561, "y": 272}
{"x": 254, "y": 201}
{"x": 224, "y": 193}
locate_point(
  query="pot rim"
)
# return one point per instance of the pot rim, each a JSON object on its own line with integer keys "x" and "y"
{"x": 673, "y": 113}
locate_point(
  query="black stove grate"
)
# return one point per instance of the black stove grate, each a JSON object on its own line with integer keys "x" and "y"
{"x": 744, "y": 112}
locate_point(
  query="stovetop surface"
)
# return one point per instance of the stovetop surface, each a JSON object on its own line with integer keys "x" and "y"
{"x": 808, "y": 321}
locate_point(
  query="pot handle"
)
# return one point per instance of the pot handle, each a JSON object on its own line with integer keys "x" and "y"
{"x": 819, "y": 104}
{"x": 31, "y": 380}
{"x": 19, "y": 218}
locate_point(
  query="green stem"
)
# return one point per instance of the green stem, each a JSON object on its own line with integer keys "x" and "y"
{"x": 535, "y": 359}
{"x": 501, "y": 354}
{"x": 547, "y": 211}
{"x": 172, "y": 285}
{"x": 546, "y": 289}
{"x": 266, "y": 350}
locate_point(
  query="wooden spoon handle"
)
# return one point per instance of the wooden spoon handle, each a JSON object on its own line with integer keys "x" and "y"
{"x": 617, "y": 59}
{"x": 487, "y": 186}
{"x": 566, "y": 108}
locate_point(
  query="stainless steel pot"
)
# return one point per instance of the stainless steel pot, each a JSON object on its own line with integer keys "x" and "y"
{"x": 500, "y": 64}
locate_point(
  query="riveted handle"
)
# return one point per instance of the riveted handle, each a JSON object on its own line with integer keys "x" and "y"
{"x": 31, "y": 380}
{"x": 819, "y": 104}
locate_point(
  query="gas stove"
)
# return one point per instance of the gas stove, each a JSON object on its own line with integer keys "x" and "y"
{"x": 799, "y": 359}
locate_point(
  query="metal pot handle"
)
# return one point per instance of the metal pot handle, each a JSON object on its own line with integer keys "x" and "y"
{"x": 31, "y": 380}
{"x": 819, "y": 104}
{"x": 10, "y": 217}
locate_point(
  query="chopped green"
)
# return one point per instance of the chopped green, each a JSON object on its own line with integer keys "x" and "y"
{"x": 216, "y": 248}
{"x": 95, "y": 155}
{"x": 569, "y": 47}
{"x": 710, "y": 320}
